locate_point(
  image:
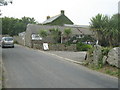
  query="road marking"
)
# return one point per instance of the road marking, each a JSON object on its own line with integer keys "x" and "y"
{"x": 67, "y": 59}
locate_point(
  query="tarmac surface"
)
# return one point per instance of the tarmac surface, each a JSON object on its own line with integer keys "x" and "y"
{"x": 28, "y": 68}
{"x": 77, "y": 56}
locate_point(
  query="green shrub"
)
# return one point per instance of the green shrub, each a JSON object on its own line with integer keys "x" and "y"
{"x": 43, "y": 33}
{"x": 100, "y": 62}
{"x": 16, "y": 42}
{"x": 90, "y": 51}
{"x": 105, "y": 51}
{"x": 83, "y": 47}
{"x": 67, "y": 44}
{"x": 116, "y": 73}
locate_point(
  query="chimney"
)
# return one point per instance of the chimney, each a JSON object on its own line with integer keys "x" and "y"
{"x": 48, "y": 17}
{"x": 62, "y": 12}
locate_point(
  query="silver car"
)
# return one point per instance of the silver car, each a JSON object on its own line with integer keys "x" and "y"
{"x": 7, "y": 42}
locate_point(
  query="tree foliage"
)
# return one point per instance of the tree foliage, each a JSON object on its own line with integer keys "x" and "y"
{"x": 43, "y": 33}
{"x": 56, "y": 34}
{"x": 106, "y": 29}
{"x": 13, "y": 26}
{"x": 4, "y": 2}
{"x": 67, "y": 33}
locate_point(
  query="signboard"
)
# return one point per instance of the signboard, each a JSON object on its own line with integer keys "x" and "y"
{"x": 45, "y": 46}
{"x": 36, "y": 37}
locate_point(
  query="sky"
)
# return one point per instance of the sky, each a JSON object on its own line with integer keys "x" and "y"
{"x": 79, "y": 11}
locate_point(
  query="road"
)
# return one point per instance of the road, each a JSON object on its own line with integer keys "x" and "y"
{"x": 27, "y": 68}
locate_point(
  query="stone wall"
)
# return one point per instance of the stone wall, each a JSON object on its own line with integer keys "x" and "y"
{"x": 97, "y": 54}
{"x": 96, "y": 57}
{"x": 56, "y": 47}
{"x": 38, "y": 46}
{"x": 19, "y": 39}
{"x": 36, "y": 43}
{"x": 62, "y": 47}
{"x": 113, "y": 57}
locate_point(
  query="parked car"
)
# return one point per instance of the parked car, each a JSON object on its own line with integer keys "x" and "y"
{"x": 7, "y": 42}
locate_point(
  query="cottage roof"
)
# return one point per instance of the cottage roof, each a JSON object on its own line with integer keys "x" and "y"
{"x": 51, "y": 19}
{"x": 33, "y": 28}
{"x": 77, "y": 26}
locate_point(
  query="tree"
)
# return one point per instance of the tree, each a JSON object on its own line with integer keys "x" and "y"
{"x": 112, "y": 32}
{"x": 27, "y": 20}
{"x": 13, "y": 26}
{"x": 97, "y": 24}
{"x": 56, "y": 34}
{"x": 106, "y": 29}
{"x": 43, "y": 33}
{"x": 4, "y": 3}
{"x": 67, "y": 33}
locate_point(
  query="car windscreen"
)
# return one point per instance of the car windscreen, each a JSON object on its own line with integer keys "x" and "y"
{"x": 8, "y": 39}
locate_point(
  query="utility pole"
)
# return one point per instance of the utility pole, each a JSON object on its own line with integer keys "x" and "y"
{"x": 61, "y": 37}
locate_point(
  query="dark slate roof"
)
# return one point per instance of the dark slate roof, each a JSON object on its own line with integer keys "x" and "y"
{"x": 51, "y": 19}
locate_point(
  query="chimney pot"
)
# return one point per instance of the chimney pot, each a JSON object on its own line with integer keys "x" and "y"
{"x": 62, "y": 12}
{"x": 48, "y": 17}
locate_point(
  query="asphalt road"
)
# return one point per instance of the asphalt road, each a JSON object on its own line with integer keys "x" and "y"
{"x": 27, "y": 68}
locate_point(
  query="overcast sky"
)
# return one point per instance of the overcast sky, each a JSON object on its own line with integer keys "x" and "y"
{"x": 79, "y": 11}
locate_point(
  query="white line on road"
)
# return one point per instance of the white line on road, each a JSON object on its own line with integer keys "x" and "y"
{"x": 67, "y": 59}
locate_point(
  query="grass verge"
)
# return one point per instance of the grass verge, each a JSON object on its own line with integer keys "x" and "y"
{"x": 107, "y": 69}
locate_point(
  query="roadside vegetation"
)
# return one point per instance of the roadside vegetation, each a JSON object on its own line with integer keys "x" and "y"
{"x": 107, "y": 69}
{"x": 83, "y": 47}
{"x": 107, "y": 33}
{"x": 106, "y": 29}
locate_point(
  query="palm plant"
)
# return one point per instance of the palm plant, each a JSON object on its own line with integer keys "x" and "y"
{"x": 67, "y": 32}
{"x": 98, "y": 23}
{"x": 106, "y": 29}
{"x": 111, "y": 31}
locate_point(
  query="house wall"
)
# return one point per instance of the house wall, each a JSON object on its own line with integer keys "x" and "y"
{"x": 56, "y": 47}
{"x": 33, "y": 28}
{"x": 28, "y": 39}
{"x": 36, "y": 30}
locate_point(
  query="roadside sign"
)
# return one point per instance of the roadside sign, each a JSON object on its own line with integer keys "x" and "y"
{"x": 45, "y": 46}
